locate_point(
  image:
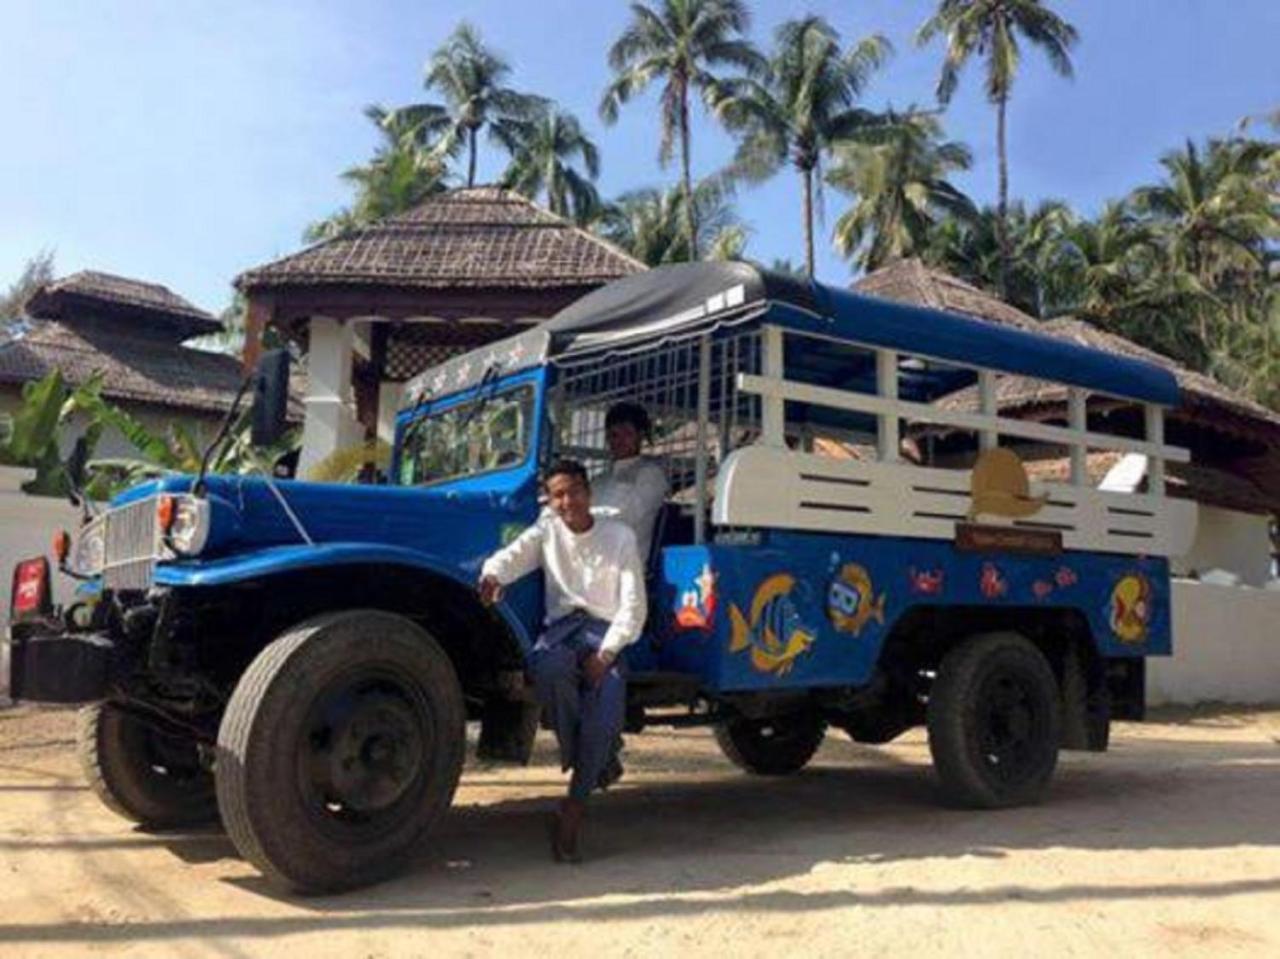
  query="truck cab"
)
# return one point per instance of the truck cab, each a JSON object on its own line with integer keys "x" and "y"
{"x": 851, "y": 541}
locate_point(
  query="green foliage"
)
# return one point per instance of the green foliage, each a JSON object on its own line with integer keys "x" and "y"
{"x": 681, "y": 43}
{"x": 897, "y": 169}
{"x": 471, "y": 80}
{"x": 36, "y": 272}
{"x": 804, "y": 105}
{"x": 402, "y": 173}
{"x": 32, "y": 436}
{"x": 650, "y": 224}
{"x": 542, "y": 153}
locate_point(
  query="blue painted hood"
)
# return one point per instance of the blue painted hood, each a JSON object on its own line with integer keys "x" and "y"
{"x": 453, "y": 526}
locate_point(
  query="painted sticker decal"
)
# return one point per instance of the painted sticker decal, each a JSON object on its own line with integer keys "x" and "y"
{"x": 851, "y": 600}
{"x": 698, "y": 603}
{"x": 1129, "y": 610}
{"x": 773, "y": 633}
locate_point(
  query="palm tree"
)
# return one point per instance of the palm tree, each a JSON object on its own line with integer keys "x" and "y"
{"x": 898, "y": 174}
{"x": 680, "y": 42}
{"x": 1215, "y": 207}
{"x": 650, "y": 224}
{"x": 805, "y": 104}
{"x": 991, "y": 29}
{"x": 970, "y": 249}
{"x": 542, "y": 153}
{"x": 400, "y": 176}
{"x": 470, "y": 78}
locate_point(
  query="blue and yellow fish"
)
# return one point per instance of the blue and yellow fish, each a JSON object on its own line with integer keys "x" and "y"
{"x": 774, "y": 633}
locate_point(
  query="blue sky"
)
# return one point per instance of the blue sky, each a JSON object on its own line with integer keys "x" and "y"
{"x": 183, "y": 141}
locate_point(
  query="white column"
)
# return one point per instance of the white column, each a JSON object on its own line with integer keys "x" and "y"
{"x": 390, "y": 396}
{"x": 773, "y": 419}
{"x": 330, "y": 419}
{"x": 1155, "y": 434}
{"x": 887, "y": 440}
{"x": 1078, "y": 420}
{"x": 988, "y": 406}
{"x": 700, "y": 465}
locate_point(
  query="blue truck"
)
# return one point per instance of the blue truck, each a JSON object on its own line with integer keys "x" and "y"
{"x": 851, "y": 541}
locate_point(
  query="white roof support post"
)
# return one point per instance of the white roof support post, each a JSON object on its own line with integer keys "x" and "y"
{"x": 1155, "y": 435}
{"x": 1078, "y": 421}
{"x": 700, "y": 464}
{"x": 987, "y": 439}
{"x": 887, "y": 440}
{"x": 772, "y": 412}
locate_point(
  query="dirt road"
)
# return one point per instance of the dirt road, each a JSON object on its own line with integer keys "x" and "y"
{"x": 1170, "y": 844}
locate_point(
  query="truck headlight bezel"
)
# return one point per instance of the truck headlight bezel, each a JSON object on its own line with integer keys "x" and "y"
{"x": 188, "y": 528}
{"x": 88, "y": 555}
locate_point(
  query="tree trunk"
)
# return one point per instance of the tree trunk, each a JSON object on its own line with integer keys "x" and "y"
{"x": 806, "y": 175}
{"x": 1002, "y": 202}
{"x": 690, "y": 222}
{"x": 471, "y": 162}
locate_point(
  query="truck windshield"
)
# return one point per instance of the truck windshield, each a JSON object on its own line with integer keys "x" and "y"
{"x": 485, "y": 434}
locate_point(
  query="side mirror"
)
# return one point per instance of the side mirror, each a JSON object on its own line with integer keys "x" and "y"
{"x": 270, "y": 398}
{"x": 76, "y": 464}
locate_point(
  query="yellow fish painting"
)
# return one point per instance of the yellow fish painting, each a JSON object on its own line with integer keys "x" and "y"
{"x": 773, "y": 633}
{"x": 1000, "y": 487}
{"x": 852, "y": 600}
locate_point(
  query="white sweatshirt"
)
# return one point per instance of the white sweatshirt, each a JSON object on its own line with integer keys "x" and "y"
{"x": 598, "y": 572}
{"x": 635, "y": 488}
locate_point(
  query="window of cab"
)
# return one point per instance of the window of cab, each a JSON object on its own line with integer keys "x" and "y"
{"x": 482, "y": 435}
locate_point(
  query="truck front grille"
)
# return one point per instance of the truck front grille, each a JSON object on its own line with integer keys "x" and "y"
{"x": 131, "y": 545}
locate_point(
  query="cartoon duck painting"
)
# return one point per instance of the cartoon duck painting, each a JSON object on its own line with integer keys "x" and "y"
{"x": 1000, "y": 487}
{"x": 1130, "y": 608}
{"x": 773, "y": 632}
{"x": 851, "y": 600}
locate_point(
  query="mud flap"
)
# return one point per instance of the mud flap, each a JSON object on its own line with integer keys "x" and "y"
{"x": 48, "y": 667}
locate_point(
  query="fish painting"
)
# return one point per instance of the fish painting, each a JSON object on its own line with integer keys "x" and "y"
{"x": 773, "y": 632}
{"x": 1130, "y": 608}
{"x": 852, "y": 600}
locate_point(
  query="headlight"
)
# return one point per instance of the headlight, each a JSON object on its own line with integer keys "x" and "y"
{"x": 188, "y": 527}
{"x": 89, "y": 552}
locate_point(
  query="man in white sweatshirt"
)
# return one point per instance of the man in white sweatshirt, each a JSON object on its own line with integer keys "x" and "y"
{"x": 635, "y": 485}
{"x": 596, "y": 606}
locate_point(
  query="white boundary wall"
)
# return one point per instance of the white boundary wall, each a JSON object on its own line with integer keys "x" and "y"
{"x": 1226, "y": 647}
{"x": 27, "y": 525}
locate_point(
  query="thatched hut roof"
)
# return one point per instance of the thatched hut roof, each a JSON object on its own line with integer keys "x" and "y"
{"x": 1203, "y": 398}
{"x": 133, "y": 368}
{"x": 92, "y": 295}
{"x": 471, "y": 237}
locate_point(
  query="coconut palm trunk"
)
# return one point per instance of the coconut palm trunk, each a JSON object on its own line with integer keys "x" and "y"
{"x": 471, "y": 159}
{"x": 1002, "y": 201}
{"x": 806, "y": 177}
{"x": 690, "y": 221}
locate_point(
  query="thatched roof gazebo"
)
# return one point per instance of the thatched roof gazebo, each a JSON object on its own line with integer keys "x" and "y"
{"x": 1234, "y": 442}
{"x": 129, "y": 333}
{"x": 378, "y": 306}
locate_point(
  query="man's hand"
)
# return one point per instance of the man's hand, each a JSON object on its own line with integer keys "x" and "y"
{"x": 490, "y": 590}
{"x": 595, "y": 667}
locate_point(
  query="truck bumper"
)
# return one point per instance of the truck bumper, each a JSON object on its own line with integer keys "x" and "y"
{"x": 49, "y": 665}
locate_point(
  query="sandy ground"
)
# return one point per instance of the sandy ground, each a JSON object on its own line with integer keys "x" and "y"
{"x": 1169, "y": 845}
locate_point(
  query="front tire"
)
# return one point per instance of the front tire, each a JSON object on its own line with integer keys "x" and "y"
{"x": 994, "y": 722}
{"x": 777, "y": 746}
{"x": 147, "y": 776}
{"x": 340, "y": 749}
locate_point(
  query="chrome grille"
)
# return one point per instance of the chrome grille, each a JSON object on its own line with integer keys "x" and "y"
{"x": 131, "y": 546}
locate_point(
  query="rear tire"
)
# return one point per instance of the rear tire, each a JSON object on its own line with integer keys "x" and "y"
{"x": 340, "y": 749}
{"x": 776, "y": 746}
{"x": 994, "y": 723}
{"x": 140, "y": 773}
